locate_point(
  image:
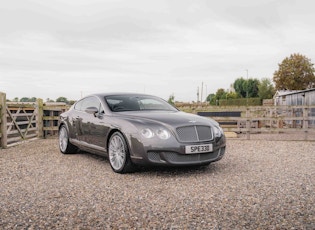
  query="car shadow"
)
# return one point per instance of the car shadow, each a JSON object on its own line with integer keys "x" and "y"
{"x": 214, "y": 167}
{"x": 178, "y": 170}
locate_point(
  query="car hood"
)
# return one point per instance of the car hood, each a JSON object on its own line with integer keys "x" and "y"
{"x": 171, "y": 118}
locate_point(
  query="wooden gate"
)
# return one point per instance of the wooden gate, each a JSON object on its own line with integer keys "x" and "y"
{"x": 21, "y": 121}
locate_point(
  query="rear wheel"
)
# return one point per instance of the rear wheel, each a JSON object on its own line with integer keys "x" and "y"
{"x": 64, "y": 145}
{"x": 119, "y": 156}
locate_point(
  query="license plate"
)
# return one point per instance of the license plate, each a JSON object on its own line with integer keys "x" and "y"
{"x": 199, "y": 148}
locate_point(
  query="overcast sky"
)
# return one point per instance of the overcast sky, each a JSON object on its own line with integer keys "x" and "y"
{"x": 72, "y": 48}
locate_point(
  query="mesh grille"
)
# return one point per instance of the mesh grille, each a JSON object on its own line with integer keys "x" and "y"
{"x": 175, "y": 158}
{"x": 195, "y": 133}
{"x": 204, "y": 133}
{"x": 154, "y": 156}
{"x": 187, "y": 134}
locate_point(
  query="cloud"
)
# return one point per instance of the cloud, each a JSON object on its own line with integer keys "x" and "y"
{"x": 160, "y": 47}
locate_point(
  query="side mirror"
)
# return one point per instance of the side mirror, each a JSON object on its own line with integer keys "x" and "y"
{"x": 92, "y": 110}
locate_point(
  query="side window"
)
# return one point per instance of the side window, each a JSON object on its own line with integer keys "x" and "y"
{"x": 89, "y": 102}
{"x": 78, "y": 105}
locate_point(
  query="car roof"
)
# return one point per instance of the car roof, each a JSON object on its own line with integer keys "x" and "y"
{"x": 118, "y": 93}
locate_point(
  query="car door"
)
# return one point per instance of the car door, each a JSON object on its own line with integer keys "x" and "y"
{"x": 76, "y": 121}
{"x": 94, "y": 128}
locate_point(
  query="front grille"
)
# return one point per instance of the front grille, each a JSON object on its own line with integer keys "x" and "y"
{"x": 178, "y": 159}
{"x": 191, "y": 158}
{"x": 194, "y": 133}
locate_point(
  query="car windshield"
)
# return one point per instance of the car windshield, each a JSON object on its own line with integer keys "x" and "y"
{"x": 120, "y": 103}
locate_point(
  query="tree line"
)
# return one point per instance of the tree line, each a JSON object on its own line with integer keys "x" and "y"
{"x": 33, "y": 99}
{"x": 244, "y": 88}
{"x": 295, "y": 72}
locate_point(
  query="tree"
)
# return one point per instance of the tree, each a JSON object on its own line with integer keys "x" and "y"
{"x": 24, "y": 99}
{"x": 28, "y": 99}
{"x": 220, "y": 94}
{"x": 266, "y": 90}
{"x": 32, "y": 99}
{"x": 210, "y": 98}
{"x": 231, "y": 95}
{"x": 62, "y": 99}
{"x": 239, "y": 86}
{"x": 246, "y": 88}
{"x": 49, "y": 100}
{"x": 252, "y": 87}
{"x": 171, "y": 99}
{"x": 214, "y": 98}
{"x": 71, "y": 102}
{"x": 295, "y": 73}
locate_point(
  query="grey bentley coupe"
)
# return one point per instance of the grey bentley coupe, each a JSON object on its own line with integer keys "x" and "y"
{"x": 138, "y": 129}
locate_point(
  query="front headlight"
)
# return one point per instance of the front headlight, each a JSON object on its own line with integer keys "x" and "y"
{"x": 160, "y": 133}
{"x": 147, "y": 133}
{"x": 218, "y": 131}
{"x": 163, "y": 134}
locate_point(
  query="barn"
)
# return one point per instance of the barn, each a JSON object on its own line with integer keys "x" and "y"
{"x": 295, "y": 97}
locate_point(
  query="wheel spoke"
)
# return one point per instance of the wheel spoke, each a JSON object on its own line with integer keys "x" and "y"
{"x": 63, "y": 139}
{"x": 117, "y": 152}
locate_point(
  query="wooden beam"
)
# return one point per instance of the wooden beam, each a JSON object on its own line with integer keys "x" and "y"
{"x": 39, "y": 117}
{"x": 3, "y": 117}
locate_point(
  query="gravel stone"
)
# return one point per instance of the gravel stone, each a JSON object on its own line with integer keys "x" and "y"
{"x": 259, "y": 184}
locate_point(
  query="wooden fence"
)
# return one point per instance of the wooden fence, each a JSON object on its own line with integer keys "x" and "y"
{"x": 262, "y": 119}
{"x": 22, "y": 121}
{"x": 51, "y": 112}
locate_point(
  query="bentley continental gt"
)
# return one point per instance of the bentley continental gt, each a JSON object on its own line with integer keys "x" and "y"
{"x": 137, "y": 129}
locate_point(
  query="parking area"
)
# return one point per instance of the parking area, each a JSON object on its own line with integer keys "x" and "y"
{"x": 258, "y": 184}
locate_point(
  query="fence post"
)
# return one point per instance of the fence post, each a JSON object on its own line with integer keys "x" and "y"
{"x": 40, "y": 114}
{"x": 248, "y": 123}
{"x": 305, "y": 122}
{"x": 3, "y": 120}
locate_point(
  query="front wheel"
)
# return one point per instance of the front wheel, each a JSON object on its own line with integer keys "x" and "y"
{"x": 119, "y": 157}
{"x": 64, "y": 145}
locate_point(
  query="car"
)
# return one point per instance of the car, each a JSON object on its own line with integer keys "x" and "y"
{"x": 132, "y": 130}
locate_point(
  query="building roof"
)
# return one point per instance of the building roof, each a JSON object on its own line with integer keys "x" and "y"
{"x": 280, "y": 93}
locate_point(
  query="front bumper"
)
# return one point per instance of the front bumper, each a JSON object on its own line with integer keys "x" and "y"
{"x": 173, "y": 158}
{"x": 173, "y": 153}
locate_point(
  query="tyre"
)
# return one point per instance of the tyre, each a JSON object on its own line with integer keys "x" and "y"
{"x": 118, "y": 153}
{"x": 64, "y": 145}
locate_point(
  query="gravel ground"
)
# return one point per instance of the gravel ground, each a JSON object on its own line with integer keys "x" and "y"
{"x": 257, "y": 185}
